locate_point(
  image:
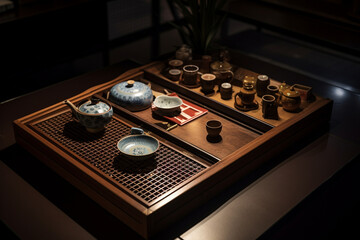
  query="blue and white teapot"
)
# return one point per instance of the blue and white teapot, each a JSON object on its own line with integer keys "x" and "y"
{"x": 132, "y": 95}
{"x": 93, "y": 114}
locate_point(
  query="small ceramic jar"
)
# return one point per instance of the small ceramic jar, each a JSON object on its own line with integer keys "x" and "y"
{"x": 290, "y": 100}
{"x": 205, "y": 63}
{"x": 226, "y": 91}
{"x": 261, "y": 85}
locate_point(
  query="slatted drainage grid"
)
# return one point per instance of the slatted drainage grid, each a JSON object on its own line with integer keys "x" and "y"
{"x": 148, "y": 179}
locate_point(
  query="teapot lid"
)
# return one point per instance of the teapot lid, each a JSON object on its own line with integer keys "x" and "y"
{"x": 131, "y": 88}
{"x": 94, "y": 106}
{"x": 221, "y": 64}
{"x": 291, "y": 92}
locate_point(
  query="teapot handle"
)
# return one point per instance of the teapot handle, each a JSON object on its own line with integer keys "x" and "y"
{"x": 231, "y": 73}
{"x": 74, "y": 109}
{"x": 135, "y": 130}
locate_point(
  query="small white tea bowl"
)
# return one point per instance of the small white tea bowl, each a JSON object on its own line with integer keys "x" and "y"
{"x": 167, "y": 104}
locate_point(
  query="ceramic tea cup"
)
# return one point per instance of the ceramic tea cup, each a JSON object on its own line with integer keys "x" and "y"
{"x": 273, "y": 90}
{"x": 175, "y": 64}
{"x": 213, "y": 128}
{"x": 190, "y": 74}
{"x": 207, "y": 82}
{"x": 269, "y": 107}
{"x": 168, "y": 105}
{"x": 174, "y": 74}
{"x": 226, "y": 91}
{"x": 138, "y": 146}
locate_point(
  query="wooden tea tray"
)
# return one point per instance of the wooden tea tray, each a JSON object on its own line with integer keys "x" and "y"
{"x": 187, "y": 169}
{"x": 225, "y": 105}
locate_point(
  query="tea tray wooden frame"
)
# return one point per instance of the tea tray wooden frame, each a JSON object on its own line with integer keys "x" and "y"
{"x": 206, "y": 168}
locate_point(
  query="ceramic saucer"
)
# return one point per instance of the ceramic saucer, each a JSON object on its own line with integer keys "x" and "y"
{"x": 245, "y": 108}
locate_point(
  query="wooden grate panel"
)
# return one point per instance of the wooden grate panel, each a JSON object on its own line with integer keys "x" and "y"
{"x": 148, "y": 179}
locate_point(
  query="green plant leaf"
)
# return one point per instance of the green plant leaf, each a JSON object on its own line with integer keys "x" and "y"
{"x": 202, "y": 22}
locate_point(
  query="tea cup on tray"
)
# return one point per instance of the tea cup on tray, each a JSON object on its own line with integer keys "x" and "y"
{"x": 207, "y": 82}
{"x": 213, "y": 128}
{"x": 138, "y": 146}
{"x": 190, "y": 74}
{"x": 167, "y": 105}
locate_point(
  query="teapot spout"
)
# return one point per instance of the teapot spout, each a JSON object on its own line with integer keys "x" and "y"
{"x": 74, "y": 109}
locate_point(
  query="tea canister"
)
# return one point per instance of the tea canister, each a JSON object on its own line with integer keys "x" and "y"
{"x": 226, "y": 91}
{"x": 269, "y": 107}
{"x": 290, "y": 100}
{"x": 263, "y": 81}
{"x": 132, "y": 95}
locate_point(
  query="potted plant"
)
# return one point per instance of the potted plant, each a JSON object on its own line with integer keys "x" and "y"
{"x": 202, "y": 20}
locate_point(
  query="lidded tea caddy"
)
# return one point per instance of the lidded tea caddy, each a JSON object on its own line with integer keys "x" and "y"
{"x": 290, "y": 100}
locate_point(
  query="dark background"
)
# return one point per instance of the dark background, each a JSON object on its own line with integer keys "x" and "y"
{"x": 44, "y": 42}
